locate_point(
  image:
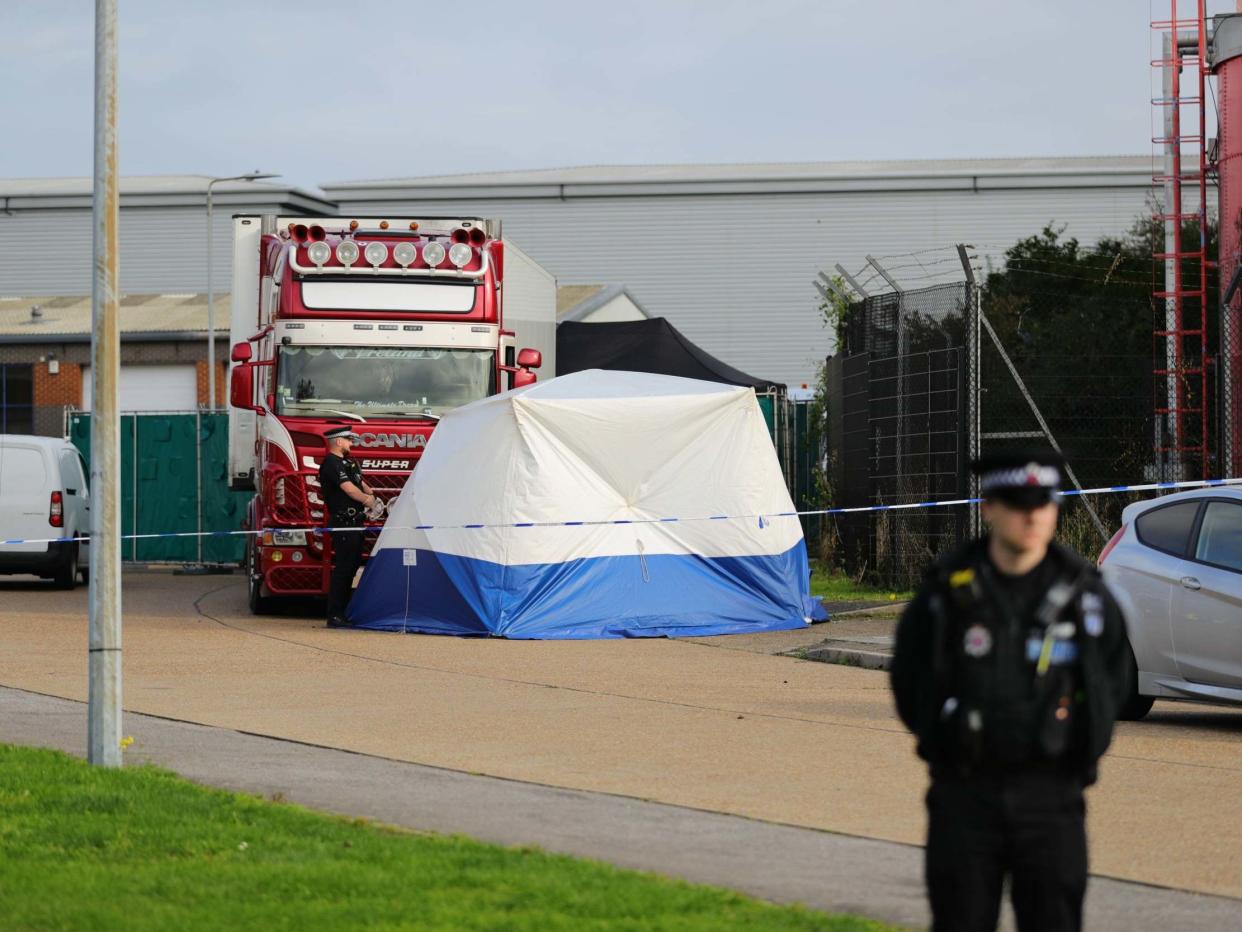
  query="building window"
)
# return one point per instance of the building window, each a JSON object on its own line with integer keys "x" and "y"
{"x": 16, "y": 399}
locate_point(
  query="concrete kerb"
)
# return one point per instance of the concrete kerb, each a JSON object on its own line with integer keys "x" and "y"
{"x": 846, "y": 656}
{"x": 867, "y": 652}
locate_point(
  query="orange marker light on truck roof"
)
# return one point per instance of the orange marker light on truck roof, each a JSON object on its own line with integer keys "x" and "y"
{"x": 383, "y": 224}
{"x": 353, "y": 224}
{"x": 413, "y": 224}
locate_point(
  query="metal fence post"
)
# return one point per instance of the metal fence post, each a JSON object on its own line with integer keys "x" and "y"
{"x": 198, "y": 481}
{"x": 974, "y": 396}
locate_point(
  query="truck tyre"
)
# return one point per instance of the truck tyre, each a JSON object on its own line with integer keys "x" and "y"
{"x": 259, "y": 603}
{"x": 67, "y": 573}
{"x": 1136, "y": 705}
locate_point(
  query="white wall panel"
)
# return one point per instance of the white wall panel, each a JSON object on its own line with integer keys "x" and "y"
{"x": 163, "y": 250}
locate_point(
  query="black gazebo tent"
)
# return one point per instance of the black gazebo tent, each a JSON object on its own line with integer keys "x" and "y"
{"x": 651, "y": 345}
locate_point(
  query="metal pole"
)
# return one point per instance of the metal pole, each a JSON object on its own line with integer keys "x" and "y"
{"x": 829, "y": 285}
{"x": 1043, "y": 424}
{"x": 104, "y": 705}
{"x": 892, "y": 282}
{"x": 211, "y": 311}
{"x": 849, "y": 280}
{"x": 973, "y": 380}
{"x": 198, "y": 480}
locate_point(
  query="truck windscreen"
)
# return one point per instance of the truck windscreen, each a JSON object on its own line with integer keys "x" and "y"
{"x": 318, "y": 381}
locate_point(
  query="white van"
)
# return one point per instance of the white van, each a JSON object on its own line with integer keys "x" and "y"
{"x": 43, "y": 493}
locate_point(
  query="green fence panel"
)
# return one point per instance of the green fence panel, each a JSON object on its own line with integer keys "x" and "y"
{"x": 167, "y": 486}
{"x": 173, "y": 479}
{"x": 223, "y": 510}
{"x": 767, "y": 404}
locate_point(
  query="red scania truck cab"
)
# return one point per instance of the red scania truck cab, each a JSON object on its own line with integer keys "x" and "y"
{"x": 382, "y": 324}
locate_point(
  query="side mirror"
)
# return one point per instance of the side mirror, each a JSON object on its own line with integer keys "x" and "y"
{"x": 524, "y": 377}
{"x": 529, "y": 359}
{"x": 241, "y": 352}
{"x": 241, "y": 388}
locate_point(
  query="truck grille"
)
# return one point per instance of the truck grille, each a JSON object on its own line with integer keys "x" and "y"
{"x": 288, "y": 499}
{"x": 386, "y": 485}
{"x": 296, "y": 580}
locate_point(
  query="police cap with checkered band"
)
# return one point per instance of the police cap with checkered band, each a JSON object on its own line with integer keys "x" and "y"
{"x": 1021, "y": 478}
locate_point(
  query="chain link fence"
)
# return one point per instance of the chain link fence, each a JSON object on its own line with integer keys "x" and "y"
{"x": 897, "y": 430}
{"x": 927, "y": 379}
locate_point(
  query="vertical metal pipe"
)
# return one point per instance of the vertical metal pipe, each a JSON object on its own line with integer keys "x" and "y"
{"x": 973, "y": 382}
{"x": 211, "y": 311}
{"x": 133, "y": 486}
{"x": 198, "y": 481}
{"x": 104, "y": 706}
{"x": 1170, "y": 437}
{"x": 1205, "y": 468}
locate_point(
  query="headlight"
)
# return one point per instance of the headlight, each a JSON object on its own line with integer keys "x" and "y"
{"x": 289, "y": 538}
{"x": 376, "y": 253}
{"x": 319, "y": 253}
{"x": 433, "y": 254}
{"x": 404, "y": 254}
{"x": 460, "y": 255}
{"x": 347, "y": 252}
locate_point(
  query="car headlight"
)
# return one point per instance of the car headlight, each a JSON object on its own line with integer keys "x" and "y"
{"x": 289, "y": 538}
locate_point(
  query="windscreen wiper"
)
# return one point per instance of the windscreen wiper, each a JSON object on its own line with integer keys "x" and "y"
{"x": 434, "y": 417}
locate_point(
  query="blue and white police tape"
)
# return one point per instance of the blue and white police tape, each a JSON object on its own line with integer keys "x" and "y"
{"x": 761, "y": 518}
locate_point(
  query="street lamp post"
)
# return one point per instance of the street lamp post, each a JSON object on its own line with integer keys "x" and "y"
{"x": 211, "y": 311}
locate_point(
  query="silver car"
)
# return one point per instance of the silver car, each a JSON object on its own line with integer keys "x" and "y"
{"x": 1176, "y": 567}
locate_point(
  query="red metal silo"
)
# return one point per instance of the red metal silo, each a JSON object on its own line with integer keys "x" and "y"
{"x": 1227, "y": 66}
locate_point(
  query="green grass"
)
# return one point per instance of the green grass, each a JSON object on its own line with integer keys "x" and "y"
{"x": 835, "y": 586}
{"x": 140, "y": 848}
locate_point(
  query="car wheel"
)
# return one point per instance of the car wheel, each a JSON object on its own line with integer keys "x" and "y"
{"x": 1136, "y": 705}
{"x": 67, "y": 573}
{"x": 259, "y": 603}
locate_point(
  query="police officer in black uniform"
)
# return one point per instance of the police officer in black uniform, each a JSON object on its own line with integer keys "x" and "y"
{"x": 1010, "y": 666}
{"x": 346, "y": 497}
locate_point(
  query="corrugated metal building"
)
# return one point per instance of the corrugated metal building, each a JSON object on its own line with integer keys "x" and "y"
{"x": 728, "y": 252}
{"x": 45, "y": 232}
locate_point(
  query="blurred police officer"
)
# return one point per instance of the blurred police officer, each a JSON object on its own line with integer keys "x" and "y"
{"x": 346, "y": 498}
{"x": 1010, "y": 666}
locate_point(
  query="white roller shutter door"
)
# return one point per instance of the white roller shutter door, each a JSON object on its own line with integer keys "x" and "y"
{"x": 150, "y": 388}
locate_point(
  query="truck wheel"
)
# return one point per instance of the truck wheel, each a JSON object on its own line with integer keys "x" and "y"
{"x": 67, "y": 573}
{"x": 1136, "y": 705}
{"x": 259, "y": 603}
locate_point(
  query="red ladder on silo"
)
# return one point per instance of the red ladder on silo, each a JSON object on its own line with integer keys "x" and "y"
{"x": 1181, "y": 381}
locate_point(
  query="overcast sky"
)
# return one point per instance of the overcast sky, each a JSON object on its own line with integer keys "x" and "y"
{"x": 326, "y": 91}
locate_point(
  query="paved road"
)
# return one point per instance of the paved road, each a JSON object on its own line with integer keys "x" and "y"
{"x": 782, "y": 863}
{"x": 717, "y": 725}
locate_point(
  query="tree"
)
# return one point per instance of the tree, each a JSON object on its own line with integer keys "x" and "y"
{"x": 1078, "y": 324}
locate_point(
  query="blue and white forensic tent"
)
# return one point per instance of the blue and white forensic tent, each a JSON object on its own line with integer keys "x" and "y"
{"x": 599, "y": 504}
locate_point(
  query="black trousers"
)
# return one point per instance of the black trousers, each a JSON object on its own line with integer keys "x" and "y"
{"x": 1028, "y": 825}
{"x": 346, "y": 558}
